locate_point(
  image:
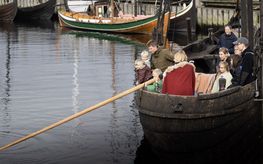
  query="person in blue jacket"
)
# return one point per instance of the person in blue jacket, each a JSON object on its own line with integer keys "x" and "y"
{"x": 227, "y": 38}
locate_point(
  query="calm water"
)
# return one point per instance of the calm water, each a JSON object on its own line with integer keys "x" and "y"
{"x": 48, "y": 74}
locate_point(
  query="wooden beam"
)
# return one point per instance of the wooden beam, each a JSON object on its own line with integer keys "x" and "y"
{"x": 250, "y": 23}
{"x": 244, "y": 18}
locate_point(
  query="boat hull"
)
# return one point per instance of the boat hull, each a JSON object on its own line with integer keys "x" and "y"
{"x": 41, "y": 11}
{"x": 178, "y": 23}
{"x": 174, "y": 124}
{"x": 144, "y": 26}
{"x": 8, "y": 11}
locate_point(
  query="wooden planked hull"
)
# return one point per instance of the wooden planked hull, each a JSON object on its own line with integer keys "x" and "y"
{"x": 8, "y": 11}
{"x": 144, "y": 26}
{"x": 178, "y": 22}
{"x": 174, "y": 124}
{"x": 41, "y": 11}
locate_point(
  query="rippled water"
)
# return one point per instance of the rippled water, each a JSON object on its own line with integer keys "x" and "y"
{"x": 48, "y": 74}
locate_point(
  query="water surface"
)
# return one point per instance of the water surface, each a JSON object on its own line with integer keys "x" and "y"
{"x": 48, "y": 74}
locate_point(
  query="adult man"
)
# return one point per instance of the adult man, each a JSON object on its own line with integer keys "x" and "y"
{"x": 227, "y": 38}
{"x": 160, "y": 58}
{"x": 246, "y": 75}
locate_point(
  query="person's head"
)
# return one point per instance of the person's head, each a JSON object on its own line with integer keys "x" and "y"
{"x": 223, "y": 53}
{"x": 228, "y": 29}
{"x": 152, "y": 46}
{"x": 144, "y": 55}
{"x": 180, "y": 56}
{"x": 236, "y": 50}
{"x": 139, "y": 64}
{"x": 235, "y": 60}
{"x": 223, "y": 67}
{"x": 157, "y": 74}
{"x": 241, "y": 43}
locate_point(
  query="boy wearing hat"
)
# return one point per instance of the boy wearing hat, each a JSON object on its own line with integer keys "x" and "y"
{"x": 247, "y": 64}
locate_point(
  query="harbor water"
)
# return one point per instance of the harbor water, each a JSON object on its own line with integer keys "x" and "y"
{"x": 48, "y": 73}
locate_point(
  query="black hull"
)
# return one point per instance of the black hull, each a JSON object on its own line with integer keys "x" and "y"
{"x": 181, "y": 124}
{"x": 42, "y": 11}
{"x": 8, "y": 11}
{"x": 179, "y": 23}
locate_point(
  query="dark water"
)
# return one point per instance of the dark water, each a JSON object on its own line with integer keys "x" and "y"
{"x": 47, "y": 74}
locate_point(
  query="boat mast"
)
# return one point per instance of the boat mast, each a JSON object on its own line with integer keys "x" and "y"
{"x": 159, "y": 33}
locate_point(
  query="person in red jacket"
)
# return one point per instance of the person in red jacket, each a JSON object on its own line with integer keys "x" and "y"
{"x": 180, "y": 78}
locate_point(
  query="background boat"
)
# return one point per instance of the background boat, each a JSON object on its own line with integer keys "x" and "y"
{"x": 8, "y": 10}
{"x": 178, "y": 22}
{"x": 140, "y": 24}
{"x": 28, "y": 9}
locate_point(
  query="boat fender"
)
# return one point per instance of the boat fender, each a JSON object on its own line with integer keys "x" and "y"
{"x": 176, "y": 108}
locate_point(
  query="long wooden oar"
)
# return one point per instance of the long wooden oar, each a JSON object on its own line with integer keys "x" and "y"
{"x": 122, "y": 94}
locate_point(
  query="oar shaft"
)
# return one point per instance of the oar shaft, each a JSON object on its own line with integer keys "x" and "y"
{"x": 122, "y": 94}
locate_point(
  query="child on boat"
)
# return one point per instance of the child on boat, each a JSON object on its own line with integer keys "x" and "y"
{"x": 224, "y": 56}
{"x": 158, "y": 84}
{"x": 145, "y": 58}
{"x": 143, "y": 72}
{"x": 223, "y": 78}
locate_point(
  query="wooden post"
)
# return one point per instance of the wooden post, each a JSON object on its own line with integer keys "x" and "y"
{"x": 244, "y": 18}
{"x": 261, "y": 46}
{"x": 66, "y": 5}
{"x": 135, "y": 8}
{"x": 189, "y": 30}
{"x": 250, "y": 24}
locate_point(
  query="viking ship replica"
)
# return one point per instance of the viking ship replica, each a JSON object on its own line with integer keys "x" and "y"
{"x": 106, "y": 17}
{"x": 175, "y": 124}
{"x": 8, "y": 10}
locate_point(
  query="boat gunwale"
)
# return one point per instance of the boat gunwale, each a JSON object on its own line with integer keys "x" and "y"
{"x": 199, "y": 97}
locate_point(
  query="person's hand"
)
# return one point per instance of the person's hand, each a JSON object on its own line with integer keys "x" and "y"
{"x": 169, "y": 69}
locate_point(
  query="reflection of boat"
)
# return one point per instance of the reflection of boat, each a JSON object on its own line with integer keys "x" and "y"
{"x": 8, "y": 10}
{"x": 47, "y": 24}
{"x": 178, "y": 21}
{"x": 28, "y": 9}
{"x": 174, "y": 123}
{"x": 124, "y": 38}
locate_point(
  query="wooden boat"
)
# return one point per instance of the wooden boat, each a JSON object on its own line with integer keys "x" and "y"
{"x": 127, "y": 24}
{"x": 180, "y": 124}
{"x": 100, "y": 20}
{"x": 28, "y": 9}
{"x": 8, "y": 10}
{"x": 178, "y": 22}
